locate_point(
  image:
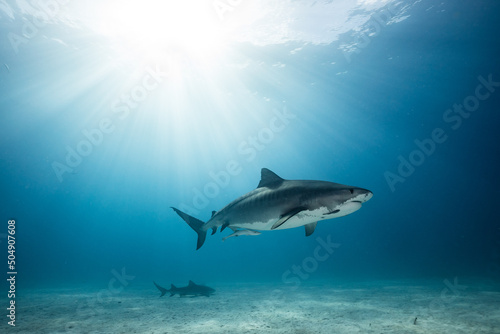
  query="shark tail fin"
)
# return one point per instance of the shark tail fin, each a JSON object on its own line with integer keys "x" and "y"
{"x": 196, "y": 225}
{"x": 162, "y": 290}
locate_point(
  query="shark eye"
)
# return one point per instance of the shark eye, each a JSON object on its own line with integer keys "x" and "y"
{"x": 352, "y": 191}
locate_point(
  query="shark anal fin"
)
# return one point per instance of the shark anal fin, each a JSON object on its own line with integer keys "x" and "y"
{"x": 214, "y": 229}
{"x": 284, "y": 218}
{"x": 310, "y": 228}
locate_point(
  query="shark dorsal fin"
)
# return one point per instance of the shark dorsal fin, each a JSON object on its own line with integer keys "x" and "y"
{"x": 191, "y": 283}
{"x": 269, "y": 179}
{"x": 213, "y": 213}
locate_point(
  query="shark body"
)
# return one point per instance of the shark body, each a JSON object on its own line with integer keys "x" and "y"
{"x": 277, "y": 204}
{"x": 192, "y": 289}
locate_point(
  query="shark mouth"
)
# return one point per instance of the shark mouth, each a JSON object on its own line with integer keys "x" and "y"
{"x": 349, "y": 205}
{"x": 345, "y": 208}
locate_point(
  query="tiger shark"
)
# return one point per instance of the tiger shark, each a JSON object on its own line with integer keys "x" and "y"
{"x": 278, "y": 204}
{"x": 192, "y": 290}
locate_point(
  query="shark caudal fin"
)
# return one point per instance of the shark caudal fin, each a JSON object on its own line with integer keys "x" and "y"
{"x": 162, "y": 290}
{"x": 196, "y": 225}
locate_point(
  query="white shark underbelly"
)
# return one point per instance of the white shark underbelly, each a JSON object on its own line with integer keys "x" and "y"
{"x": 301, "y": 218}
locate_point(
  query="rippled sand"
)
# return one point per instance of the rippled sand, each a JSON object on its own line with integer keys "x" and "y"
{"x": 381, "y": 307}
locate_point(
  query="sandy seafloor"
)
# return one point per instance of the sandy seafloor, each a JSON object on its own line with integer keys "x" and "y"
{"x": 440, "y": 306}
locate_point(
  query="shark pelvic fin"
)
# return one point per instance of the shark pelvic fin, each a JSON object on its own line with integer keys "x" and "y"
{"x": 196, "y": 225}
{"x": 224, "y": 226}
{"x": 310, "y": 228}
{"x": 284, "y": 218}
{"x": 269, "y": 179}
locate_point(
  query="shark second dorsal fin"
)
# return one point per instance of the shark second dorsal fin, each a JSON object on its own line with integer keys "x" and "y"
{"x": 269, "y": 179}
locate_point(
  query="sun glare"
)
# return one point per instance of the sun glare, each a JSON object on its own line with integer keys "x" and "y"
{"x": 152, "y": 26}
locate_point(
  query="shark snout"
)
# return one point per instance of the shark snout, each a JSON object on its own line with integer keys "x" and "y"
{"x": 361, "y": 195}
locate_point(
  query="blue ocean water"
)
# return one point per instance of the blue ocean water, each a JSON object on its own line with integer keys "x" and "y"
{"x": 101, "y": 136}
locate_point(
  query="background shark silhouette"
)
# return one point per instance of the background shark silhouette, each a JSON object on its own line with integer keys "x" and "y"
{"x": 192, "y": 289}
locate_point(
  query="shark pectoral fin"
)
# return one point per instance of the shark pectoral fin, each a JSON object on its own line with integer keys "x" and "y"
{"x": 283, "y": 219}
{"x": 310, "y": 228}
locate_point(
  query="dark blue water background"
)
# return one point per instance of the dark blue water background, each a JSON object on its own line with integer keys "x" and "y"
{"x": 351, "y": 119}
